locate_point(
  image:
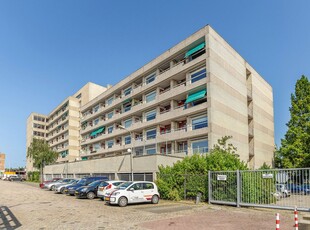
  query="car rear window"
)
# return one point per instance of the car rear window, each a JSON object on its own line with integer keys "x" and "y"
{"x": 117, "y": 183}
{"x": 103, "y": 184}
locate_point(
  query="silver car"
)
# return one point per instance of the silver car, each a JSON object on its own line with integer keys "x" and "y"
{"x": 52, "y": 185}
{"x": 60, "y": 188}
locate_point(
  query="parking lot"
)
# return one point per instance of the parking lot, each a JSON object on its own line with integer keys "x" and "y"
{"x": 25, "y": 206}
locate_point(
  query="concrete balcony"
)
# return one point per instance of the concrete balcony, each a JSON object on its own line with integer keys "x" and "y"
{"x": 92, "y": 128}
{"x": 250, "y": 113}
{"x": 171, "y": 115}
{"x": 142, "y": 88}
{"x": 92, "y": 115}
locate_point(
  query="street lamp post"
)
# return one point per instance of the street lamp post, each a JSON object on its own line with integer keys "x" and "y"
{"x": 129, "y": 150}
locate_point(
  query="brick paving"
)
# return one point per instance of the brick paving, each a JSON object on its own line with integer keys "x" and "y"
{"x": 29, "y": 207}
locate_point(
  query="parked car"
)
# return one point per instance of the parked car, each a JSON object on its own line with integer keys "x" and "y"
{"x": 83, "y": 182}
{"x": 51, "y": 186}
{"x": 48, "y": 181}
{"x": 283, "y": 190}
{"x": 133, "y": 192}
{"x": 15, "y": 178}
{"x": 299, "y": 188}
{"x": 89, "y": 191}
{"x": 62, "y": 187}
{"x": 106, "y": 186}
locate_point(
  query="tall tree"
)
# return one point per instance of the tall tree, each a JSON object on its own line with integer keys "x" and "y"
{"x": 41, "y": 154}
{"x": 295, "y": 147}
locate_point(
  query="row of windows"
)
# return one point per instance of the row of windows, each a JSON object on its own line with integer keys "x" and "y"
{"x": 194, "y": 76}
{"x": 38, "y": 134}
{"x": 196, "y": 123}
{"x": 38, "y": 126}
{"x": 38, "y": 118}
{"x": 199, "y": 146}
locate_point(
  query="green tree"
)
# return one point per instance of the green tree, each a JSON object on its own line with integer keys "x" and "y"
{"x": 41, "y": 154}
{"x": 190, "y": 174}
{"x": 295, "y": 147}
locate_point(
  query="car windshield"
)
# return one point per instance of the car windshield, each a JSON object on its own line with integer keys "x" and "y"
{"x": 66, "y": 180}
{"x": 82, "y": 182}
{"x": 124, "y": 185}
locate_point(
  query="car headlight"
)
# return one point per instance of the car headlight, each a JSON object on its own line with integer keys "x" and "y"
{"x": 83, "y": 189}
{"x": 116, "y": 193}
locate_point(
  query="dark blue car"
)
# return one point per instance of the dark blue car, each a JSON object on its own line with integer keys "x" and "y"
{"x": 89, "y": 191}
{"x": 83, "y": 182}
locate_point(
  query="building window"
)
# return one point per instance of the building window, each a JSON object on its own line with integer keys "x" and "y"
{"x": 128, "y": 123}
{"x": 110, "y": 115}
{"x": 110, "y": 101}
{"x": 150, "y": 149}
{"x": 96, "y": 121}
{"x": 127, "y": 106}
{"x": 199, "y": 122}
{"x": 127, "y": 91}
{"x": 110, "y": 129}
{"x": 198, "y": 75}
{"x": 110, "y": 143}
{"x": 139, "y": 151}
{"x": 79, "y": 96}
{"x": 151, "y": 134}
{"x": 150, "y": 97}
{"x": 150, "y": 115}
{"x": 97, "y": 146}
{"x": 200, "y": 146}
{"x": 150, "y": 78}
{"x": 96, "y": 108}
{"x": 127, "y": 140}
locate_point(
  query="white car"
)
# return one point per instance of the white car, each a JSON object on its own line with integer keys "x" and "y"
{"x": 106, "y": 186}
{"x": 133, "y": 192}
{"x": 60, "y": 188}
{"x": 51, "y": 186}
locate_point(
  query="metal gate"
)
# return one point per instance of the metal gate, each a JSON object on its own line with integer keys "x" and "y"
{"x": 274, "y": 188}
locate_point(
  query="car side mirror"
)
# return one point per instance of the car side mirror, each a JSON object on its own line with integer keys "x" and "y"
{"x": 131, "y": 189}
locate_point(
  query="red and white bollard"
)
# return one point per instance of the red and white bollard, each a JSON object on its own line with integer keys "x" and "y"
{"x": 277, "y": 221}
{"x": 296, "y": 219}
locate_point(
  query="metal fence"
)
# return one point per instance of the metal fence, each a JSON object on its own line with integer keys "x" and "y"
{"x": 274, "y": 188}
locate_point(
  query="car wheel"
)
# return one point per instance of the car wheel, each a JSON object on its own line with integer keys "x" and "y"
{"x": 90, "y": 195}
{"x": 122, "y": 201}
{"x": 52, "y": 188}
{"x": 155, "y": 199}
{"x": 62, "y": 190}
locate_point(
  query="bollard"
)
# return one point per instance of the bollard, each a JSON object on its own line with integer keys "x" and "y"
{"x": 296, "y": 218}
{"x": 277, "y": 221}
{"x": 198, "y": 197}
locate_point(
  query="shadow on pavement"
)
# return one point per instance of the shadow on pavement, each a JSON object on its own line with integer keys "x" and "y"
{"x": 7, "y": 219}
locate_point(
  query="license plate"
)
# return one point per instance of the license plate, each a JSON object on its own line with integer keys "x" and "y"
{"x": 100, "y": 189}
{"x": 107, "y": 198}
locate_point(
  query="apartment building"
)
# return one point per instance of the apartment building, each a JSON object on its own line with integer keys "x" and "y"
{"x": 2, "y": 163}
{"x": 61, "y": 128}
{"x": 177, "y": 105}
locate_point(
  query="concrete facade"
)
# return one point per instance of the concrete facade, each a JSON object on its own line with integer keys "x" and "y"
{"x": 178, "y": 104}
{"x": 60, "y": 128}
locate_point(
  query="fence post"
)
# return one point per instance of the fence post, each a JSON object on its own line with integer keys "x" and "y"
{"x": 209, "y": 187}
{"x": 238, "y": 188}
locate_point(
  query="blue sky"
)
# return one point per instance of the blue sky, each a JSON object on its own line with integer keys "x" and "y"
{"x": 49, "y": 49}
